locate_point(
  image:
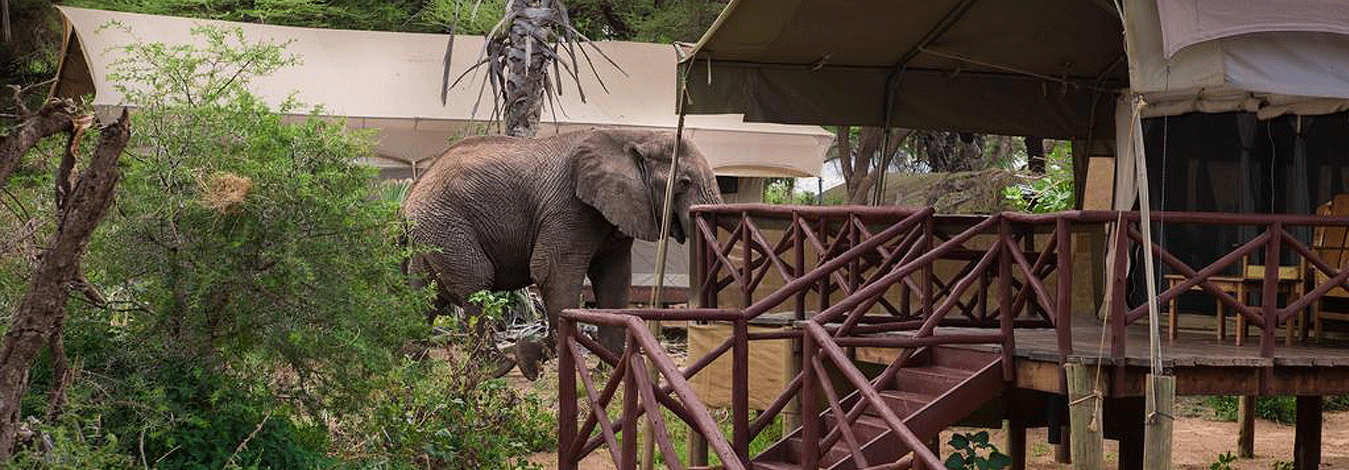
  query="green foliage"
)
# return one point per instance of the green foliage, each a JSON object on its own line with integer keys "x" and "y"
{"x": 1050, "y": 192}
{"x": 32, "y": 54}
{"x": 72, "y": 448}
{"x": 972, "y": 451}
{"x": 1282, "y": 465}
{"x": 439, "y": 414}
{"x": 493, "y": 304}
{"x": 1281, "y": 409}
{"x": 389, "y": 15}
{"x": 250, "y": 242}
{"x": 628, "y": 20}
{"x": 1223, "y": 462}
{"x": 782, "y": 191}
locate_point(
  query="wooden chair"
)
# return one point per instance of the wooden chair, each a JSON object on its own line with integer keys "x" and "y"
{"x": 1228, "y": 284}
{"x": 1332, "y": 245}
{"x": 1291, "y": 285}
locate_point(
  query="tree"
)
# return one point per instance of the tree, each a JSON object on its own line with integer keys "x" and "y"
{"x": 860, "y": 158}
{"x": 80, "y": 203}
{"x": 525, "y": 55}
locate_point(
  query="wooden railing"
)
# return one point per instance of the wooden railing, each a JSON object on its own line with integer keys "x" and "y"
{"x": 1272, "y": 241}
{"x": 879, "y": 277}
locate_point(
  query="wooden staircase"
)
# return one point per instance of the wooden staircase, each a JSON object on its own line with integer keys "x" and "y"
{"x": 944, "y": 386}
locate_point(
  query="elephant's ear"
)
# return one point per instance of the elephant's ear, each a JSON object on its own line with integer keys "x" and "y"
{"x": 608, "y": 179}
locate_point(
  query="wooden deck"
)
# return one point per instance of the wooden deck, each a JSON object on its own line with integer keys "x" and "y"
{"x": 1202, "y": 364}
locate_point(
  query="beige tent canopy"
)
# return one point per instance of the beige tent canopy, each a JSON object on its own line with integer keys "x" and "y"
{"x": 389, "y": 81}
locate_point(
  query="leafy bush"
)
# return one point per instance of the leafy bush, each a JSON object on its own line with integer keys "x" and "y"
{"x": 255, "y": 314}
{"x": 1050, "y": 192}
{"x": 972, "y": 451}
{"x": 442, "y": 414}
{"x": 783, "y": 191}
{"x": 1223, "y": 462}
{"x": 1281, "y": 409}
{"x": 247, "y": 243}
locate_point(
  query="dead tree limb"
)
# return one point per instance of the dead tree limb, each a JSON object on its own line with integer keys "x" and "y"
{"x": 54, "y": 117}
{"x": 42, "y": 311}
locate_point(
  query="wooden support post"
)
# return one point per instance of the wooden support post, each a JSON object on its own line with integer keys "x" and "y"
{"x": 697, "y": 446}
{"x": 740, "y": 392}
{"x": 810, "y": 407}
{"x": 701, "y": 251}
{"x": 566, "y": 386}
{"x": 1158, "y": 421}
{"x": 1246, "y": 426}
{"x": 1085, "y": 418}
{"x": 1307, "y": 441}
{"x": 1015, "y": 446}
{"x": 791, "y": 414}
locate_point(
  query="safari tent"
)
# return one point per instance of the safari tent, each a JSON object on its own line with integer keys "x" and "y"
{"x": 1233, "y": 111}
{"x": 389, "y": 82}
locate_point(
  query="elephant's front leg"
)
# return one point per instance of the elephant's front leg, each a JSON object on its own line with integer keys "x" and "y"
{"x": 611, "y": 279}
{"x": 559, "y": 278}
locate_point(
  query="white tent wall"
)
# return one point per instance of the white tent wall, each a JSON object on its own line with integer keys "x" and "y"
{"x": 1271, "y": 58}
{"x": 388, "y": 82}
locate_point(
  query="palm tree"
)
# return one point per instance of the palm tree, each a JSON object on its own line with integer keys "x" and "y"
{"x": 526, "y": 54}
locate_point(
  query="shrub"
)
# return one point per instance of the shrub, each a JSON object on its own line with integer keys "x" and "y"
{"x": 1050, "y": 192}
{"x": 442, "y": 414}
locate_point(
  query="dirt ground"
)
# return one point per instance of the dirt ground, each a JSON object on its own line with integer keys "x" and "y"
{"x": 1198, "y": 439}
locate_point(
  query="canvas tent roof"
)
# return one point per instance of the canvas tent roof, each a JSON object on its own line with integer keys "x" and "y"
{"x": 1044, "y": 68}
{"x": 1014, "y": 67}
{"x": 389, "y": 81}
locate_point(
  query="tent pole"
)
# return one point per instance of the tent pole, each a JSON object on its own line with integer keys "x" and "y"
{"x": 648, "y": 440}
{"x": 878, "y": 192}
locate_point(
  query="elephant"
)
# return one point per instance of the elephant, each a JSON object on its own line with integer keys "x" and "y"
{"x": 502, "y": 213}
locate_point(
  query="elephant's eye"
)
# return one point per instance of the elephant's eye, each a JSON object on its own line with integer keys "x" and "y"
{"x": 685, "y": 182}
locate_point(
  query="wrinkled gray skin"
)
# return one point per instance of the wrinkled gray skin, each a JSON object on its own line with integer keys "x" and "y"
{"x": 504, "y": 212}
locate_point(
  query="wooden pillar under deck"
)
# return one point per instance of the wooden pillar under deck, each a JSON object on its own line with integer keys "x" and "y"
{"x": 1085, "y": 418}
{"x": 1246, "y": 426}
{"x": 1158, "y": 421}
{"x": 1015, "y": 446}
{"x": 1307, "y": 441}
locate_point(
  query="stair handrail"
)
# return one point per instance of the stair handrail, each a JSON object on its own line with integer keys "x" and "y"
{"x": 656, "y": 355}
{"x": 825, "y": 342}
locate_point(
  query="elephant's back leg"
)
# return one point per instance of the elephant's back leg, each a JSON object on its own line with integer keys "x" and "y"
{"x": 458, "y": 264}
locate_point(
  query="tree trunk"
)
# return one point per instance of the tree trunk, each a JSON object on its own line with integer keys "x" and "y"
{"x": 1035, "y": 155}
{"x": 42, "y": 311}
{"x": 527, "y": 70}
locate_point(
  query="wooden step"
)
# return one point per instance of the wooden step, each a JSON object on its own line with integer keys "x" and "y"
{"x": 773, "y": 465}
{"x": 837, "y": 453}
{"x": 954, "y": 357}
{"x": 903, "y": 403}
{"x": 929, "y": 380}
